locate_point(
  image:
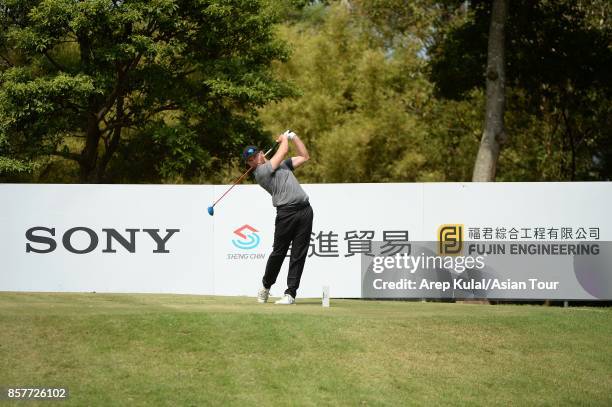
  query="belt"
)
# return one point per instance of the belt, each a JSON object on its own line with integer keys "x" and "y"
{"x": 292, "y": 207}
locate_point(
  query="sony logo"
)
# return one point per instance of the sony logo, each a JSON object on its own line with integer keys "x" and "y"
{"x": 44, "y": 237}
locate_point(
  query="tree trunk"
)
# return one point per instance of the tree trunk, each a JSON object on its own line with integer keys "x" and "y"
{"x": 111, "y": 146}
{"x": 494, "y": 134}
{"x": 89, "y": 154}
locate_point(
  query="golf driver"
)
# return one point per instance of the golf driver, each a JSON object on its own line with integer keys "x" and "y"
{"x": 211, "y": 209}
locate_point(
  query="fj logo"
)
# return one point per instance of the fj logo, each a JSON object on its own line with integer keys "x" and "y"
{"x": 450, "y": 240}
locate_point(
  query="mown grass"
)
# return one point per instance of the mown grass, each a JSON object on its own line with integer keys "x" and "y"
{"x": 190, "y": 350}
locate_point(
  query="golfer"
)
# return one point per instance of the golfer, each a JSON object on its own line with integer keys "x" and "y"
{"x": 293, "y": 213}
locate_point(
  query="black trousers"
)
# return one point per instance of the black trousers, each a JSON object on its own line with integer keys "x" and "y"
{"x": 292, "y": 227}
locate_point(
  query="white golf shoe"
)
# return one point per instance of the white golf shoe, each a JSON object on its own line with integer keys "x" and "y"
{"x": 262, "y": 295}
{"x": 286, "y": 300}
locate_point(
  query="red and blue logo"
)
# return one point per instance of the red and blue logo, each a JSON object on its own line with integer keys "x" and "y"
{"x": 249, "y": 238}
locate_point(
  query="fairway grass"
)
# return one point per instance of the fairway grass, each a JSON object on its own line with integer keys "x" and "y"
{"x": 179, "y": 350}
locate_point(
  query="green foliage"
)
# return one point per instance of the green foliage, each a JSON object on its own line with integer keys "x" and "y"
{"x": 367, "y": 111}
{"x": 558, "y": 57}
{"x": 380, "y": 90}
{"x": 171, "y": 80}
{"x": 10, "y": 165}
{"x": 297, "y": 11}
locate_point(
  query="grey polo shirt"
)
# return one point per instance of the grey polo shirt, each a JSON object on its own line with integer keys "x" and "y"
{"x": 280, "y": 183}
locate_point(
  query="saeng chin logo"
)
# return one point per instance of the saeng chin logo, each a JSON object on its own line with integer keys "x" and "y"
{"x": 83, "y": 240}
{"x": 248, "y": 240}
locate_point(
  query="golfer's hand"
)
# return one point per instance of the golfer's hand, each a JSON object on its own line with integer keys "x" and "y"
{"x": 281, "y": 138}
{"x": 283, "y": 148}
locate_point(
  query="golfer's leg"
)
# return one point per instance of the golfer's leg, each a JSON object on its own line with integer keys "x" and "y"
{"x": 299, "y": 251}
{"x": 282, "y": 240}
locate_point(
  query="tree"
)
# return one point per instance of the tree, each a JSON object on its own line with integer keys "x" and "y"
{"x": 366, "y": 108}
{"x": 557, "y": 82}
{"x": 494, "y": 132}
{"x": 168, "y": 85}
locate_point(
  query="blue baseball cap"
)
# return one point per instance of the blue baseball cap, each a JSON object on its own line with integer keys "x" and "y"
{"x": 248, "y": 152}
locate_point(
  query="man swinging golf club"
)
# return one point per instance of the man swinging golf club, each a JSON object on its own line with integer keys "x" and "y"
{"x": 293, "y": 223}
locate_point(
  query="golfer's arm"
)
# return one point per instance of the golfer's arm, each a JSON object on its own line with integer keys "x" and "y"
{"x": 302, "y": 156}
{"x": 277, "y": 158}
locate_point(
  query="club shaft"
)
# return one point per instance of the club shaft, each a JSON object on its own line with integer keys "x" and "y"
{"x": 241, "y": 178}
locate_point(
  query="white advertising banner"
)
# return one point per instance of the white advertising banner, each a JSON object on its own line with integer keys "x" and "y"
{"x": 160, "y": 239}
{"x": 520, "y": 205}
{"x": 58, "y": 257}
{"x": 347, "y": 218}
